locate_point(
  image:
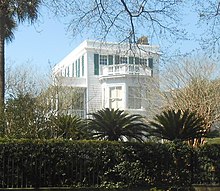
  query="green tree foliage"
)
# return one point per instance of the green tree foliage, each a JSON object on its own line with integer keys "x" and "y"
{"x": 69, "y": 127}
{"x": 177, "y": 125}
{"x": 24, "y": 117}
{"x": 115, "y": 125}
{"x": 11, "y": 13}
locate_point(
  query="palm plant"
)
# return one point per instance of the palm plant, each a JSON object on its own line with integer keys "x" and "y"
{"x": 115, "y": 125}
{"x": 70, "y": 127}
{"x": 177, "y": 125}
{"x": 11, "y": 13}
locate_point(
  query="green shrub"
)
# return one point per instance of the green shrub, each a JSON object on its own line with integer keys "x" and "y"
{"x": 104, "y": 164}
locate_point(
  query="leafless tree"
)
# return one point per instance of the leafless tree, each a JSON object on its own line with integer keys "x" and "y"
{"x": 125, "y": 19}
{"x": 24, "y": 79}
{"x": 193, "y": 84}
{"x": 209, "y": 21}
{"x": 61, "y": 99}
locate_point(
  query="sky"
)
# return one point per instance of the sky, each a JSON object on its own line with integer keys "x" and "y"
{"x": 46, "y": 43}
{"x": 42, "y": 45}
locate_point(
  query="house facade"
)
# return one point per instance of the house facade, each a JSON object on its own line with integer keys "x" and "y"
{"x": 109, "y": 75}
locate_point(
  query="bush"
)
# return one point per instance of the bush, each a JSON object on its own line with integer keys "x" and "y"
{"x": 104, "y": 164}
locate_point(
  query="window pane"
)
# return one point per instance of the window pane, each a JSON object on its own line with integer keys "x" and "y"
{"x": 82, "y": 65}
{"x": 103, "y": 60}
{"x": 115, "y": 97}
{"x": 131, "y": 60}
{"x": 116, "y": 59}
{"x": 78, "y": 71}
{"x": 73, "y": 65}
{"x": 134, "y": 97}
{"x": 96, "y": 64}
{"x": 110, "y": 60}
{"x": 76, "y": 68}
{"x": 119, "y": 92}
{"x": 150, "y": 62}
{"x": 124, "y": 60}
{"x": 137, "y": 60}
{"x": 143, "y": 61}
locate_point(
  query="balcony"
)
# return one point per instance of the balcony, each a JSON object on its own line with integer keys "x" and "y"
{"x": 121, "y": 69}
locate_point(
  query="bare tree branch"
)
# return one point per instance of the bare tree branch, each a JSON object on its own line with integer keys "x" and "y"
{"x": 125, "y": 20}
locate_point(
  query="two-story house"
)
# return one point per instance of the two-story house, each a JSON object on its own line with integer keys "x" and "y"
{"x": 110, "y": 75}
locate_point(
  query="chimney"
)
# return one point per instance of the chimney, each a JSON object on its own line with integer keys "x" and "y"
{"x": 143, "y": 40}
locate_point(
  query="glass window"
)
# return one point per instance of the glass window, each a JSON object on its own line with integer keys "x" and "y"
{"x": 131, "y": 60}
{"x": 78, "y": 71}
{"x": 82, "y": 65}
{"x": 96, "y": 64}
{"x": 137, "y": 60}
{"x": 103, "y": 60}
{"x": 65, "y": 72}
{"x": 116, "y": 59}
{"x": 68, "y": 71}
{"x": 76, "y": 68}
{"x": 123, "y": 60}
{"x": 115, "y": 97}
{"x": 150, "y": 62}
{"x": 73, "y": 65}
{"x": 110, "y": 60}
{"x": 134, "y": 98}
{"x": 143, "y": 61}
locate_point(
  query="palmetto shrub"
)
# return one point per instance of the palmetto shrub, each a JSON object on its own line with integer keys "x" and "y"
{"x": 177, "y": 125}
{"x": 117, "y": 125}
{"x": 70, "y": 127}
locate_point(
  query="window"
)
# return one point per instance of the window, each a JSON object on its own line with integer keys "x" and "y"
{"x": 68, "y": 71}
{"x": 65, "y": 72}
{"x": 78, "y": 68}
{"x": 82, "y": 65}
{"x": 131, "y": 60}
{"x": 116, "y": 59}
{"x": 137, "y": 60}
{"x": 110, "y": 60}
{"x": 143, "y": 61}
{"x": 150, "y": 62}
{"x": 134, "y": 98}
{"x": 115, "y": 97}
{"x": 123, "y": 60}
{"x": 73, "y": 65}
{"x": 77, "y": 97}
{"x": 103, "y": 60}
{"x": 96, "y": 64}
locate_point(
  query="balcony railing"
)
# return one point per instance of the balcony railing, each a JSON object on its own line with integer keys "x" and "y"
{"x": 125, "y": 69}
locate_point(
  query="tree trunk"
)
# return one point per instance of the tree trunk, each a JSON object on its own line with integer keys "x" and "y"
{"x": 2, "y": 62}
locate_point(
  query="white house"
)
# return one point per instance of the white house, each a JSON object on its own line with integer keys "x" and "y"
{"x": 110, "y": 75}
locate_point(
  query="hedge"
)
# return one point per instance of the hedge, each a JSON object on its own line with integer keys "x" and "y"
{"x": 103, "y": 164}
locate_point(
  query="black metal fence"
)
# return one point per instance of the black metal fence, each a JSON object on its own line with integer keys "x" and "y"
{"x": 18, "y": 173}
{"x": 144, "y": 167}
